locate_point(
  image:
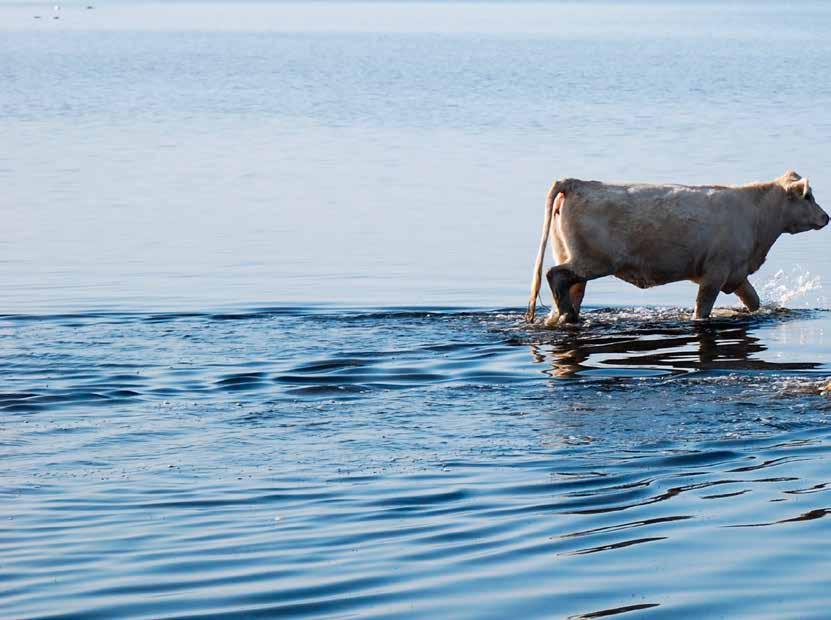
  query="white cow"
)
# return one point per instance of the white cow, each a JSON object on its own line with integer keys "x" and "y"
{"x": 648, "y": 235}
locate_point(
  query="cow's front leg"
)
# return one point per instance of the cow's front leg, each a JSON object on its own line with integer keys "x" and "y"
{"x": 748, "y": 296}
{"x": 707, "y": 293}
{"x": 561, "y": 279}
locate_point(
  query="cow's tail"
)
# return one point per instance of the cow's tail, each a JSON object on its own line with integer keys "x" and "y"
{"x": 546, "y": 228}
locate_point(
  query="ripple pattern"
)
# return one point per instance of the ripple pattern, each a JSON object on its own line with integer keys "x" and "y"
{"x": 316, "y": 462}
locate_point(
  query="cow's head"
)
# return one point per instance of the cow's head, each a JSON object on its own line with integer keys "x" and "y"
{"x": 801, "y": 210}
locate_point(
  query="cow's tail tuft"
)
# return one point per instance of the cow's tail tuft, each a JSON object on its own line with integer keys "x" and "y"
{"x": 546, "y": 228}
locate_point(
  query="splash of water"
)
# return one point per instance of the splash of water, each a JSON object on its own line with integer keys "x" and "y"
{"x": 798, "y": 288}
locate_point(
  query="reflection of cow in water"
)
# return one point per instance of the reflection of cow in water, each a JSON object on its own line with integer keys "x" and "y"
{"x": 659, "y": 348}
{"x": 655, "y": 234}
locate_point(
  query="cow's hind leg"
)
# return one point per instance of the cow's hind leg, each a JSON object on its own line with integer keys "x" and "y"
{"x": 748, "y": 296}
{"x": 561, "y": 279}
{"x": 576, "y": 293}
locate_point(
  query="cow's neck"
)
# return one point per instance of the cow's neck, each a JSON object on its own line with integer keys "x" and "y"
{"x": 770, "y": 222}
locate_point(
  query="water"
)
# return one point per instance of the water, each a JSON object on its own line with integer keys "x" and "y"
{"x": 261, "y": 347}
{"x": 202, "y": 155}
{"x": 413, "y": 462}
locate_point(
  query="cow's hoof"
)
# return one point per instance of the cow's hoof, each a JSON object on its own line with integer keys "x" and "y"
{"x": 554, "y": 320}
{"x": 551, "y": 320}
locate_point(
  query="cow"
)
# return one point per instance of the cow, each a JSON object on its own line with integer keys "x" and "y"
{"x": 648, "y": 235}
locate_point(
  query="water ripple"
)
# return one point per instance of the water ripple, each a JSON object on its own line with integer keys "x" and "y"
{"x": 389, "y": 462}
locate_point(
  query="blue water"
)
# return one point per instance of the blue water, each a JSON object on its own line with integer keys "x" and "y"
{"x": 407, "y": 462}
{"x": 261, "y": 343}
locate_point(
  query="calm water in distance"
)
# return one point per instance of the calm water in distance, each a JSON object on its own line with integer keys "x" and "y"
{"x": 182, "y": 154}
{"x": 261, "y": 350}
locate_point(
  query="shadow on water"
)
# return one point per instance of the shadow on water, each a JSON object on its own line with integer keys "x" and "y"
{"x": 651, "y": 345}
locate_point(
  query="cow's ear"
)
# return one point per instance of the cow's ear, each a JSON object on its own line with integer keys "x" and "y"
{"x": 798, "y": 189}
{"x": 789, "y": 177}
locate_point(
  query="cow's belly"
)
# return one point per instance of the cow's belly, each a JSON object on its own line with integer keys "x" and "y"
{"x": 653, "y": 257}
{"x": 653, "y": 276}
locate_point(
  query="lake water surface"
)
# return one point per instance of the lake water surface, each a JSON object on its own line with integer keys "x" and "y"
{"x": 261, "y": 345}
